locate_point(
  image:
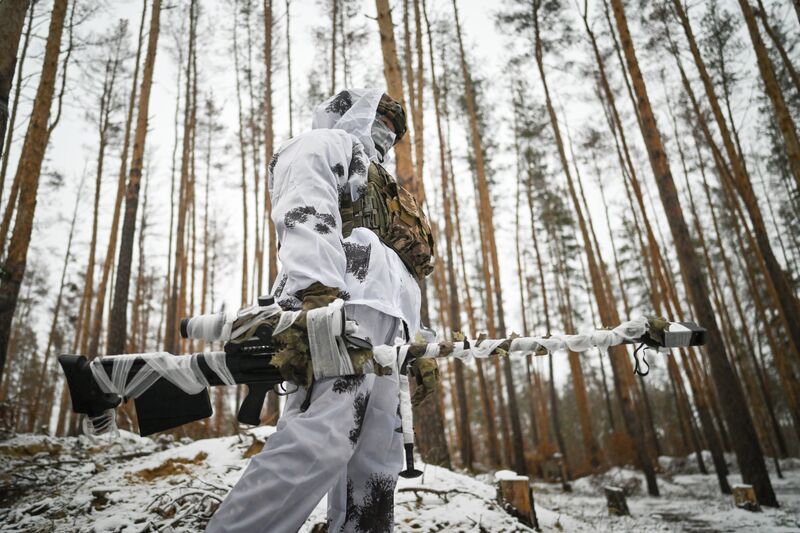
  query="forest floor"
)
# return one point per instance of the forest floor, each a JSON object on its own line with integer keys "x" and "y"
{"x": 133, "y": 484}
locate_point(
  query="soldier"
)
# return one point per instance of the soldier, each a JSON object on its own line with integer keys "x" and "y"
{"x": 346, "y": 230}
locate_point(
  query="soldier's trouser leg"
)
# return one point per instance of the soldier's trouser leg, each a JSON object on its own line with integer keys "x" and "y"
{"x": 301, "y": 460}
{"x": 363, "y": 496}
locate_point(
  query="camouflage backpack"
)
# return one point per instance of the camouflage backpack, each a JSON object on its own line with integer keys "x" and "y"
{"x": 393, "y": 214}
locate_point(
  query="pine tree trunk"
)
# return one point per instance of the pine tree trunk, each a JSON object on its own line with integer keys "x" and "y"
{"x": 288, "y": 90}
{"x": 726, "y": 181}
{"x": 783, "y": 115}
{"x": 788, "y": 64}
{"x": 272, "y": 413}
{"x": 12, "y": 20}
{"x": 119, "y": 309}
{"x": 29, "y": 169}
{"x": 97, "y": 321}
{"x": 334, "y": 9}
{"x": 485, "y": 398}
{"x": 465, "y": 436}
{"x": 243, "y": 164}
{"x": 685, "y": 417}
{"x": 618, "y": 269}
{"x": 42, "y": 382}
{"x": 749, "y": 455}
{"x": 734, "y": 344}
{"x": 750, "y": 346}
{"x": 394, "y": 84}
{"x": 418, "y": 116}
{"x": 608, "y": 313}
{"x": 253, "y": 141}
{"x": 433, "y": 446}
{"x": 487, "y": 218}
{"x": 7, "y": 36}
{"x": 269, "y": 136}
{"x": 546, "y": 311}
{"x": 741, "y": 179}
{"x": 786, "y": 373}
{"x": 175, "y": 301}
{"x": 105, "y": 104}
{"x": 137, "y": 341}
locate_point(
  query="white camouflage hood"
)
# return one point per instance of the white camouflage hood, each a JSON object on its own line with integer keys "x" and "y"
{"x": 351, "y": 110}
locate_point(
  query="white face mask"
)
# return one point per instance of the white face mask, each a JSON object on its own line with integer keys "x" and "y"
{"x": 383, "y": 138}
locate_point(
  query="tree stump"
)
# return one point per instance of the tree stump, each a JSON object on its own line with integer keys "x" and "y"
{"x": 515, "y": 496}
{"x": 744, "y": 497}
{"x": 615, "y": 500}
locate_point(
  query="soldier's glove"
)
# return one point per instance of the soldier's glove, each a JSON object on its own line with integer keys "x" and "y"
{"x": 426, "y": 370}
{"x": 293, "y": 355}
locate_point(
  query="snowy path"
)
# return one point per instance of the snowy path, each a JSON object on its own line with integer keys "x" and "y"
{"x": 138, "y": 484}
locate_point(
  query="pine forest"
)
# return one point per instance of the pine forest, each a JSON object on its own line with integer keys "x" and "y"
{"x": 582, "y": 163}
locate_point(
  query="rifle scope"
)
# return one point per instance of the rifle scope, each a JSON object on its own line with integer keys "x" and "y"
{"x": 211, "y": 327}
{"x": 207, "y": 328}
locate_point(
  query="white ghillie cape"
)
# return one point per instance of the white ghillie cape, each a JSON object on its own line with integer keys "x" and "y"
{"x": 306, "y": 177}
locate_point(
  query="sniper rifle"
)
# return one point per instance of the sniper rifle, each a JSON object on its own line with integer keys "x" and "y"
{"x": 169, "y": 391}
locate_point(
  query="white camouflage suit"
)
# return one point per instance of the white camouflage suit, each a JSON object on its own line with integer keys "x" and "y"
{"x": 348, "y": 443}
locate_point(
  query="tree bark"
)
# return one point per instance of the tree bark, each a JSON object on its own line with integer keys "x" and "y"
{"x": 394, "y": 84}
{"x": 783, "y": 116}
{"x": 465, "y": 434}
{"x": 487, "y": 217}
{"x": 6, "y": 122}
{"x": 748, "y": 451}
{"x": 743, "y": 185}
{"x": 119, "y": 309}
{"x": 97, "y": 320}
{"x": 41, "y": 383}
{"x": 288, "y": 90}
{"x": 12, "y": 20}
{"x": 272, "y": 413}
{"x": 608, "y": 312}
{"x": 29, "y": 170}
{"x": 175, "y": 300}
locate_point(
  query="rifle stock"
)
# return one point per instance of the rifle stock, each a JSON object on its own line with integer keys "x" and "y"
{"x": 163, "y": 405}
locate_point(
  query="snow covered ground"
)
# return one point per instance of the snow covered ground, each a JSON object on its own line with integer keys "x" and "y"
{"x": 136, "y": 484}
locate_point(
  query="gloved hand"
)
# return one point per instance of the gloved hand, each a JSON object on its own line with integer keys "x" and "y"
{"x": 293, "y": 357}
{"x": 426, "y": 370}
